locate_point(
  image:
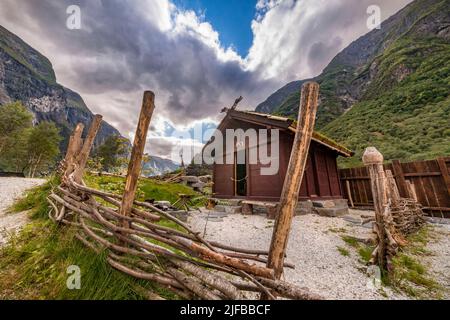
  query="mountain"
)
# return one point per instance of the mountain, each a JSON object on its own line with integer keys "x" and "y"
{"x": 389, "y": 88}
{"x": 28, "y": 76}
{"x": 157, "y": 166}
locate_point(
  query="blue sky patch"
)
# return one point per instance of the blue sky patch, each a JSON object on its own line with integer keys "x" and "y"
{"x": 231, "y": 19}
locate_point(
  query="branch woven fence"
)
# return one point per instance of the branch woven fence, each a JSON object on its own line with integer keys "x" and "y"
{"x": 176, "y": 258}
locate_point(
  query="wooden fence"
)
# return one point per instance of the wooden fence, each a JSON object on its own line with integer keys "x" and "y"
{"x": 12, "y": 175}
{"x": 430, "y": 180}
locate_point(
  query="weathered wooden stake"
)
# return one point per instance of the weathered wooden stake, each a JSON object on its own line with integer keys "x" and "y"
{"x": 134, "y": 167}
{"x": 349, "y": 192}
{"x": 83, "y": 156}
{"x": 74, "y": 146}
{"x": 373, "y": 159}
{"x": 294, "y": 176}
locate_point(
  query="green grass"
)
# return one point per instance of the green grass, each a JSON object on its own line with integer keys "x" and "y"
{"x": 35, "y": 200}
{"x": 406, "y": 119}
{"x": 337, "y": 230}
{"x": 351, "y": 241}
{"x": 365, "y": 252}
{"x": 409, "y": 274}
{"x": 34, "y": 266}
{"x": 147, "y": 189}
{"x": 34, "y": 263}
{"x": 343, "y": 251}
{"x": 404, "y": 110}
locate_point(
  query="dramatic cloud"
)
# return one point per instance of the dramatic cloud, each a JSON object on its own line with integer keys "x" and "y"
{"x": 126, "y": 47}
{"x": 296, "y": 39}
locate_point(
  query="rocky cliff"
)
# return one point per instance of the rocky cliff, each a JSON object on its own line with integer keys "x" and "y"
{"x": 28, "y": 76}
{"x": 158, "y": 166}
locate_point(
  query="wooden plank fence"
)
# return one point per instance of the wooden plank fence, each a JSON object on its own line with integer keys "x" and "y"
{"x": 12, "y": 175}
{"x": 428, "y": 180}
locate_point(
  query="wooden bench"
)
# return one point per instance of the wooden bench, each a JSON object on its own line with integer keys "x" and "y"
{"x": 247, "y": 207}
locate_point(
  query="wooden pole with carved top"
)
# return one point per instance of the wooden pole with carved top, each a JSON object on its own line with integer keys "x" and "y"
{"x": 83, "y": 156}
{"x": 294, "y": 176}
{"x": 134, "y": 167}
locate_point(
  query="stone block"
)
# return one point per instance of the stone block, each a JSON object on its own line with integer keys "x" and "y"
{"x": 247, "y": 209}
{"x": 233, "y": 209}
{"x": 181, "y": 215}
{"x": 198, "y": 186}
{"x": 219, "y": 208}
{"x": 162, "y": 203}
{"x": 352, "y": 219}
{"x": 331, "y": 212}
{"x": 304, "y": 207}
{"x": 190, "y": 179}
{"x": 205, "y": 179}
{"x": 341, "y": 202}
{"x": 324, "y": 204}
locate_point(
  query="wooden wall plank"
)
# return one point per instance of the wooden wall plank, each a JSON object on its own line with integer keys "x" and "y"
{"x": 444, "y": 171}
{"x": 428, "y": 177}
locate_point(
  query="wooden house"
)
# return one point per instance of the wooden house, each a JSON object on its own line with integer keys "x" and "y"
{"x": 244, "y": 181}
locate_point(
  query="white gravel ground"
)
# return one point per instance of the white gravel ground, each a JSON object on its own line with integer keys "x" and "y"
{"x": 313, "y": 248}
{"x": 438, "y": 261}
{"x": 10, "y": 190}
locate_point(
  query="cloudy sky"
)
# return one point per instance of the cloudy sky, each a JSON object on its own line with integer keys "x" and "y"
{"x": 196, "y": 55}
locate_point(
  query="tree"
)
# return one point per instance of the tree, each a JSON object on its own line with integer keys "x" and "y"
{"x": 14, "y": 155}
{"x": 43, "y": 148}
{"x": 22, "y": 146}
{"x": 14, "y": 119}
{"x": 112, "y": 153}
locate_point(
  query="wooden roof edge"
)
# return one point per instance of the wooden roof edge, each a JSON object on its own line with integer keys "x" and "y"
{"x": 317, "y": 136}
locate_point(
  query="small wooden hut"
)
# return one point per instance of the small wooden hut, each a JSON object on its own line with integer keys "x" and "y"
{"x": 244, "y": 181}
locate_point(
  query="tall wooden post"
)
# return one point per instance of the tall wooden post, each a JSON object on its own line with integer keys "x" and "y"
{"x": 134, "y": 167}
{"x": 83, "y": 156}
{"x": 294, "y": 176}
{"x": 75, "y": 144}
{"x": 373, "y": 159}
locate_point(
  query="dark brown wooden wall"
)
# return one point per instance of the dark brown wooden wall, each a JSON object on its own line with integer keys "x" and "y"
{"x": 431, "y": 180}
{"x": 321, "y": 180}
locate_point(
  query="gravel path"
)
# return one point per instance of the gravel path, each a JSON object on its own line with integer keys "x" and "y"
{"x": 10, "y": 190}
{"x": 313, "y": 248}
{"x": 438, "y": 261}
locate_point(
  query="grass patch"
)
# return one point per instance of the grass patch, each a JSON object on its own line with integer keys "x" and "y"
{"x": 337, "y": 230}
{"x": 409, "y": 275}
{"x": 351, "y": 241}
{"x": 34, "y": 263}
{"x": 343, "y": 251}
{"x": 34, "y": 266}
{"x": 147, "y": 189}
{"x": 35, "y": 200}
{"x": 365, "y": 252}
